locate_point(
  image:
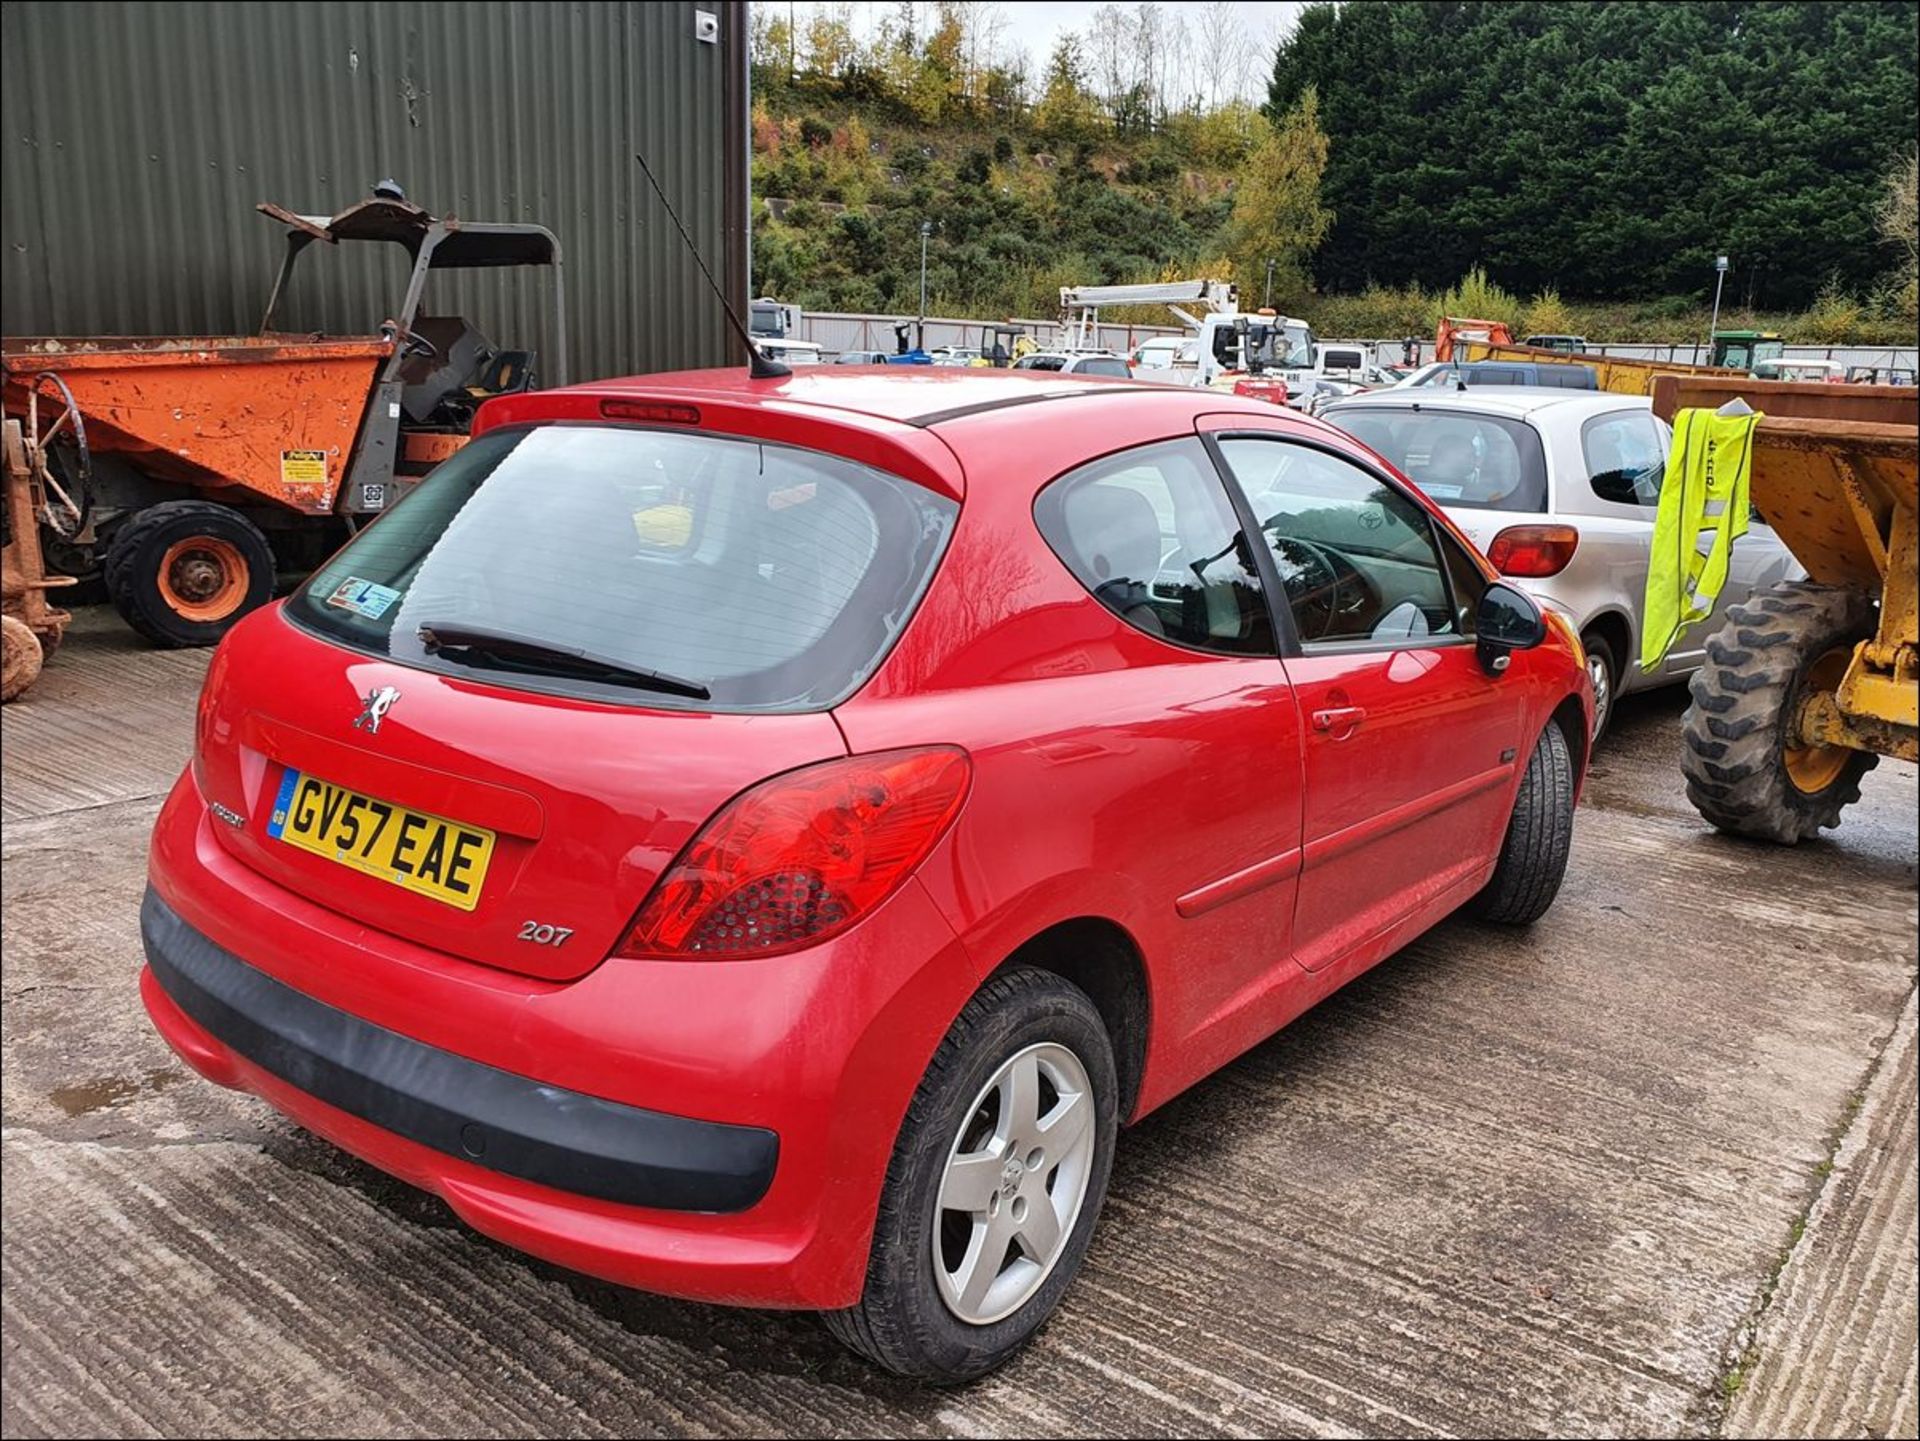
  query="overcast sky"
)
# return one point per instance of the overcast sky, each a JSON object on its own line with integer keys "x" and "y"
{"x": 1034, "y": 26}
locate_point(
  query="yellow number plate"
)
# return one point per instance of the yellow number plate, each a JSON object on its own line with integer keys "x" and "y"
{"x": 426, "y": 854}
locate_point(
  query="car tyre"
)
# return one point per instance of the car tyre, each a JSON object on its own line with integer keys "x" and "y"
{"x": 183, "y": 572}
{"x": 1603, "y": 669}
{"x": 1533, "y": 858}
{"x": 1743, "y": 773}
{"x": 905, "y": 1320}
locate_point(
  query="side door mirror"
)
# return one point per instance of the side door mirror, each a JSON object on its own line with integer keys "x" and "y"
{"x": 1508, "y": 620}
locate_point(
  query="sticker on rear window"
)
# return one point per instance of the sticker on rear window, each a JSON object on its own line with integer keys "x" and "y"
{"x": 363, "y": 597}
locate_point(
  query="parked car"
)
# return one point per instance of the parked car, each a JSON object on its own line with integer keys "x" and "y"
{"x": 1569, "y": 343}
{"x": 791, "y": 352}
{"x": 1164, "y": 352}
{"x": 1829, "y": 372}
{"x": 788, "y": 909}
{"x": 1559, "y": 488}
{"x": 1336, "y": 368}
{"x": 1075, "y": 363}
{"x": 862, "y": 357}
{"x": 957, "y": 355}
{"x": 1450, "y": 375}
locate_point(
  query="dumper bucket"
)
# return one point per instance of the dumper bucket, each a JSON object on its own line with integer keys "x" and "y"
{"x": 268, "y": 414}
{"x": 1836, "y": 473}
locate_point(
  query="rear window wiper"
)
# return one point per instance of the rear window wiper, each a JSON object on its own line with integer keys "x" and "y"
{"x": 439, "y": 636}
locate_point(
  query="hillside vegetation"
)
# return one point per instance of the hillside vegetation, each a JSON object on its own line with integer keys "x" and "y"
{"x": 1378, "y": 209}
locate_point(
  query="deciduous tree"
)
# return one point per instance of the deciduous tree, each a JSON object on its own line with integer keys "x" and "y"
{"x": 1277, "y": 213}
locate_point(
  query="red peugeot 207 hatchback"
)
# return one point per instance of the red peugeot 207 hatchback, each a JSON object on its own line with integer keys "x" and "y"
{"x": 756, "y": 840}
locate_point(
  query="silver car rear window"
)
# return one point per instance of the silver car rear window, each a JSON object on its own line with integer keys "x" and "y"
{"x": 1485, "y": 462}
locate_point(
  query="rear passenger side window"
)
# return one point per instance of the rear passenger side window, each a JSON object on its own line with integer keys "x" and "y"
{"x": 1626, "y": 456}
{"x": 1151, "y": 534}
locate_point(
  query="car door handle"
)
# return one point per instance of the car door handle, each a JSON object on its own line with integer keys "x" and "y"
{"x": 1339, "y": 721}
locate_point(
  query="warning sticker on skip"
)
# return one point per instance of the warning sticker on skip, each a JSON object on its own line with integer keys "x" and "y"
{"x": 363, "y": 597}
{"x": 303, "y": 467}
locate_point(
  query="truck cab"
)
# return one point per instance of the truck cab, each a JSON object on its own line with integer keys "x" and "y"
{"x": 1236, "y": 344}
{"x": 1745, "y": 349}
{"x": 775, "y": 327}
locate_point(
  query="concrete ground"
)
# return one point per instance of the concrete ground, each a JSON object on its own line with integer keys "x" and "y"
{"x": 1604, "y": 1176}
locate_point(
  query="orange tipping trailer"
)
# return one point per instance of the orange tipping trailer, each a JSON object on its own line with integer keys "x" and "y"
{"x": 271, "y": 415}
{"x": 183, "y": 473}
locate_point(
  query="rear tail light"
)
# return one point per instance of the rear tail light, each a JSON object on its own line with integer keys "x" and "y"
{"x": 1533, "y": 550}
{"x": 802, "y": 856}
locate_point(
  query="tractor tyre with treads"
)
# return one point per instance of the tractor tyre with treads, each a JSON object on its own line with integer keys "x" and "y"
{"x": 1744, "y": 771}
{"x": 181, "y": 573}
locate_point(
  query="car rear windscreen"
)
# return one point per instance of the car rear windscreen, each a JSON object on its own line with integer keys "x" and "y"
{"x": 1487, "y": 462}
{"x": 768, "y": 577}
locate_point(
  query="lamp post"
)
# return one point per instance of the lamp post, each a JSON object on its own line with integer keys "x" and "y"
{"x": 1267, "y": 304}
{"x": 926, "y": 229}
{"x": 1720, "y": 268}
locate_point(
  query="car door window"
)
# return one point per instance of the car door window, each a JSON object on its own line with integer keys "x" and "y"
{"x": 1626, "y": 456}
{"x": 1469, "y": 582}
{"x": 1101, "y": 365}
{"x": 1152, "y": 535}
{"x": 1358, "y": 560}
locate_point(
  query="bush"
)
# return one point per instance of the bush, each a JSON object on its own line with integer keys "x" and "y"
{"x": 816, "y": 133}
{"x": 1547, "y": 314}
{"x": 1378, "y": 313}
{"x": 1835, "y": 318}
{"x": 803, "y": 214}
{"x": 973, "y": 170}
{"x": 1002, "y": 148}
{"x": 1478, "y": 298}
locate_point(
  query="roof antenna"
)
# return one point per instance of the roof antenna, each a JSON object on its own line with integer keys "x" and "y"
{"x": 759, "y": 366}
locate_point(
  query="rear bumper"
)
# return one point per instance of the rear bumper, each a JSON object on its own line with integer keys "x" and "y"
{"x": 718, "y": 1131}
{"x": 503, "y": 1122}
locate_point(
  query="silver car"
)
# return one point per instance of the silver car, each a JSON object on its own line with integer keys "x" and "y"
{"x": 1559, "y": 490}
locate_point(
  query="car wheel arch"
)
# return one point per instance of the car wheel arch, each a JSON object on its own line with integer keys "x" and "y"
{"x": 1102, "y": 958}
{"x": 1617, "y": 629}
{"x": 1571, "y": 717}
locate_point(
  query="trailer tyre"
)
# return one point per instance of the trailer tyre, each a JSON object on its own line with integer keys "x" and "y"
{"x": 21, "y": 658}
{"x": 181, "y": 573}
{"x": 1744, "y": 772}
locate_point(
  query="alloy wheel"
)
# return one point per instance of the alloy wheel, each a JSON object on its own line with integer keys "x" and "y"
{"x": 1602, "y": 676}
{"x": 1016, "y": 1175}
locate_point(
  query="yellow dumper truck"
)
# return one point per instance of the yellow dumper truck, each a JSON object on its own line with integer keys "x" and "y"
{"x": 1807, "y": 684}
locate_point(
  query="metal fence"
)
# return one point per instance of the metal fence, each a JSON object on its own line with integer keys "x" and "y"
{"x": 1883, "y": 357}
{"x": 835, "y": 332}
{"x": 838, "y": 332}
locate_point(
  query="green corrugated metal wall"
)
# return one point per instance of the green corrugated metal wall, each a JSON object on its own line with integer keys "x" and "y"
{"x": 139, "y": 137}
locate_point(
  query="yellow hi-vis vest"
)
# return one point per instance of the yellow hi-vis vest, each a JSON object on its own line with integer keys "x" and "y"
{"x": 1703, "y": 510}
